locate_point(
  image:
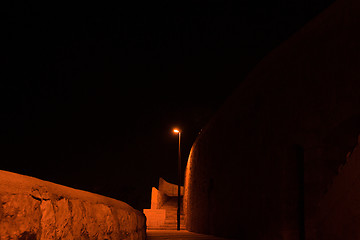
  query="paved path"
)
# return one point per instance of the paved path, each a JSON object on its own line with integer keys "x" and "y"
{"x": 178, "y": 235}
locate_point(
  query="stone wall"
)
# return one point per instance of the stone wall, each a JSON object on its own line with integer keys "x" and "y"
{"x": 170, "y": 189}
{"x": 164, "y": 204}
{"x": 261, "y": 166}
{"x": 34, "y": 209}
{"x": 340, "y": 210}
{"x": 158, "y": 198}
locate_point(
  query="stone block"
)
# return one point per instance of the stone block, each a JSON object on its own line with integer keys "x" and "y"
{"x": 155, "y": 217}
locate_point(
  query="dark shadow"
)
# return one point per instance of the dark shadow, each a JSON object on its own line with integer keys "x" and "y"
{"x": 299, "y": 156}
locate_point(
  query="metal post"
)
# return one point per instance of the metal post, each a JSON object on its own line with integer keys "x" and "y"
{"x": 179, "y": 184}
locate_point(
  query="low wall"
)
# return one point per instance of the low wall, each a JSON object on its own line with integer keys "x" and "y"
{"x": 155, "y": 217}
{"x": 170, "y": 189}
{"x": 157, "y": 199}
{"x": 34, "y": 209}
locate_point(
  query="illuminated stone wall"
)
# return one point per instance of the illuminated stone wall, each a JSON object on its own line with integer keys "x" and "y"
{"x": 261, "y": 166}
{"x": 158, "y": 198}
{"x": 170, "y": 189}
{"x": 34, "y": 209}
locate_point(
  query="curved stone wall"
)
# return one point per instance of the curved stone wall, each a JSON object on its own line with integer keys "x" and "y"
{"x": 170, "y": 189}
{"x": 158, "y": 198}
{"x": 340, "y": 211}
{"x": 34, "y": 209}
{"x": 259, "y": 169}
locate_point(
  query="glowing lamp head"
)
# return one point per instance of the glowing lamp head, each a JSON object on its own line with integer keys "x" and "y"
{"x": 176, "y": 131}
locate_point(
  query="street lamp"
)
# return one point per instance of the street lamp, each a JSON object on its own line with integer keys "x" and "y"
{"x": 179, "y": 179}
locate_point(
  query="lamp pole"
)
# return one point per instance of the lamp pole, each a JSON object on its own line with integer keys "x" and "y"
{"x": 179, "y": 179}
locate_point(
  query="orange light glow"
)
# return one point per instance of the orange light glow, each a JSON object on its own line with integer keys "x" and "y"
{"x": 176, "y": 131}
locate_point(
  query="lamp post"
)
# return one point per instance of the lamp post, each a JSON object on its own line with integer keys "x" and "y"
{"x": 179, "y": 179}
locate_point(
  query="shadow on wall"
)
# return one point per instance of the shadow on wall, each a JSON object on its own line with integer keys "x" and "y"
{"x": 269, "y": 157}
{"x": 338, "y": 217}
{"x": 275, "y": 191}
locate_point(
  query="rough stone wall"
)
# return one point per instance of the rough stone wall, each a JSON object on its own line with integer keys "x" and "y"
{"x": 261, "y": 166}
{"x": 339, "y": 217}
{"x": 34, "y": 209}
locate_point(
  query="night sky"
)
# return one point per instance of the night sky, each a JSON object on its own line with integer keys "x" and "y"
{"x": 91, "y": 91}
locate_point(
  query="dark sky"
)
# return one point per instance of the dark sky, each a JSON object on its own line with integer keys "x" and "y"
{"x": 91, "y": 91}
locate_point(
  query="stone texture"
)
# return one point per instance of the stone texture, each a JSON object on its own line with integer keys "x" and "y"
{"x": 34, "y": 209}
{"x": 339, "y": 217}
{"x": 155, "y": 218}
{"x": 158, "y": 198}
{"x": 261, "y": 166}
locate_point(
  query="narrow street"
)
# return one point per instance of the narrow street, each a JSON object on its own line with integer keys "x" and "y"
{"x": 178, "y": 235}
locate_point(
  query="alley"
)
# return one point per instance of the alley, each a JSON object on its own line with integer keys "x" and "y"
{"x": 178, "y": 235}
